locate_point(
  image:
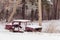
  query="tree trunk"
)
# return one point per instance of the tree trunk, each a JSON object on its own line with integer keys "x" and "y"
{"x": 23, "y": 9}
{"x": 40, "y": 12}
{"x": 55, "y": 2}
{"x": 32, "y": 15}
{"x": 14, "y": 10}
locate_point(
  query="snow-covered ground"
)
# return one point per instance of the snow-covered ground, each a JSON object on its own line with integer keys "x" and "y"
{"x": 29, "y": 36}
{"x": 6, "y": 35}
{"x": 52, "y": 25}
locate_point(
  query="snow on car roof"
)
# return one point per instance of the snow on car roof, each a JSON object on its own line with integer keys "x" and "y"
{"x": 34, "y": 26}
{"x": 22, "y": 20}
{"x": 8, "y": 23}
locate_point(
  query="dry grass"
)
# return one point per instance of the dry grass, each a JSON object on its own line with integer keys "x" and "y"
{"x": 51, "y": 28}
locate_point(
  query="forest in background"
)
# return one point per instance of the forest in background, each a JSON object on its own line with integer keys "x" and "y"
{"x": 28, "y": 9}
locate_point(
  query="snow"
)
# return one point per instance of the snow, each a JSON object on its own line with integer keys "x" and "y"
{"x": 6, "y": 35}
{"x": 2, "y": 27}
{"x": 22, "y": 20}
{"x": 52, "y": 23}
{"x": 29, "y": 36}
{"x": 34, "y": 26}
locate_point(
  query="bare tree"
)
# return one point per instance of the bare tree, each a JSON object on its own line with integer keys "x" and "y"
{"x": 55, "y": 3}
{"x": 32, "y": 15}
{"x": 23, "y": 9}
